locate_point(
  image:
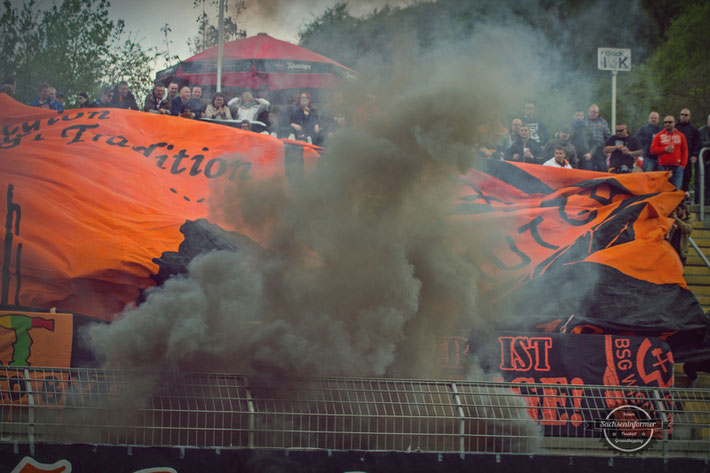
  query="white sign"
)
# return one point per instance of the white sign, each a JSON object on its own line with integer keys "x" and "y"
{"x": 614, "y": 59}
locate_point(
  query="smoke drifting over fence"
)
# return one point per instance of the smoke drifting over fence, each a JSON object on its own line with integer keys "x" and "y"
{"x": 360, "y": 266}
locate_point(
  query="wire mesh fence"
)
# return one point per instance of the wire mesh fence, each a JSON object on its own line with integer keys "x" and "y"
{"x": 364, "y": 414}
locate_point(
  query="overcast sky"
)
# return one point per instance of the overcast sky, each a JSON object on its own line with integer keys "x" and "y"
{"x": 281, "y": 19}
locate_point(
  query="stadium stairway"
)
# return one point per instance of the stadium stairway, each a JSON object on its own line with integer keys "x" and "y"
{"x": 697, "y": 275}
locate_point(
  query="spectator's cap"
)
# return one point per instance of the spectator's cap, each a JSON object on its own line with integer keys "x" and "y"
{"x": 84, "y": 94}
{"x": 565, "y": 129}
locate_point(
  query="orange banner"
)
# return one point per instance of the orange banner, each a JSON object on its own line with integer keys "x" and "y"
{"x": 552, "y": 217}
{"x": 92, "y": 196}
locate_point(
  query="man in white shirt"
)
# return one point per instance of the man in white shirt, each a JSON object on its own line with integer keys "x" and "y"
{"x": 559, "y": 160}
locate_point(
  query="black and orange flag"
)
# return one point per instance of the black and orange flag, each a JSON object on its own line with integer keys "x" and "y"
{"x": 92, "y": 196}
{"x": 585, "y": 252}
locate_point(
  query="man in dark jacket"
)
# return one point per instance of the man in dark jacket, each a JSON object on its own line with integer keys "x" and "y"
{"x": 624, "y": 149}
{"x": 645, "y": 136}
{"x": 705, "y": 143}
{"x": 562, "y": 139}
{"x": 525, "y": 149}
{"x": 582, "y": 141}
{"x": 538, "y": 130}
{"x": 122, "y": 98}
{"x": 104, "y": 101}
{"x": 692, "y": 137}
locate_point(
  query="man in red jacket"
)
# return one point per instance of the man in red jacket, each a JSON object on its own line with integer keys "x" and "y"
{"x": 672, "y": 151}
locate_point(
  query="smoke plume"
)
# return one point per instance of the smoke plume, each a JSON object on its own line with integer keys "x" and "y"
{"x": 361, "y": 265}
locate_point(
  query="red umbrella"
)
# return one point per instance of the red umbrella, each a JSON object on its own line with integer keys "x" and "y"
{"x": 262, "y": 61}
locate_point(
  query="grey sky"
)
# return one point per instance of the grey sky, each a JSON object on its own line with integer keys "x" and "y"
{"x": 279, "y": 18}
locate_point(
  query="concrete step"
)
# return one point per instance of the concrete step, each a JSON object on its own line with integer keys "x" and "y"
{"x": 697, "y": 279}
{"x": 682, "y": 381}
{"x": 699, "y": 233}
{"x": 696, "y": 269}
{"x": 700, "y": 290}
{"x": 703, "y": 299}
{"x": 694, "y": 260}
{"x": 703, "y": 243}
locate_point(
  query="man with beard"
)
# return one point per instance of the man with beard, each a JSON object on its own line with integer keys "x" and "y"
{"x": 624, "y": 150}
{"x": 558, "y": 159}
{"x": 645, "y": 136}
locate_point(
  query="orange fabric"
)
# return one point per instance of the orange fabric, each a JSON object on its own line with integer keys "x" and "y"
{"x": 543, "y": 225}
{"x": 104, "y": 191}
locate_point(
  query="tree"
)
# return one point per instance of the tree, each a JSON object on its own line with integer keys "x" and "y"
{"x": 681, "y": 64}
{"x": 71, "y": 45}
{"x": 208, "y": 34}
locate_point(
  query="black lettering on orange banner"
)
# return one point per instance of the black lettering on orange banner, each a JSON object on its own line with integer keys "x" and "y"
{"x": 561, "y": 203}
{"x": 532, "y": 226}
{"x": 524, "y": 259}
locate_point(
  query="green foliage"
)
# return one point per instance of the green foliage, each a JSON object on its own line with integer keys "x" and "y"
{"x": 208, "y": 34}
{"x": 681, "y": 64}
{"x": 73, "y": 46}
{"x": 670, "y": 49}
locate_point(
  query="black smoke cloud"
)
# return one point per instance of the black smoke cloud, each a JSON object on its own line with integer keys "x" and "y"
{"x": 360, "y": 266}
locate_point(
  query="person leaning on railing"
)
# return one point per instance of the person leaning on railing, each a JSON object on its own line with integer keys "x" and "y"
{"x": 218, "y": 109}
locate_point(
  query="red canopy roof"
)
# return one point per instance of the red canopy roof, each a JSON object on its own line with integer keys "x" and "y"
{"x": 262, "y": 61}
{"x": 262, "y": 46}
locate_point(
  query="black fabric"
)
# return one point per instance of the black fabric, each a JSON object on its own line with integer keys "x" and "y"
{"x": 605, "y": 298}
{"x": 618, "y": 161}
{"x": 514, "y": 176}
{"x": 201, "y": 237}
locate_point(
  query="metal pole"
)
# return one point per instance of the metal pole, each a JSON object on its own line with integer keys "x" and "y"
{"x": 701, "y": 187}
{"x": 698, "y": 251}
{"x": 613, "y": 100}
{"x": 220, "y": 49}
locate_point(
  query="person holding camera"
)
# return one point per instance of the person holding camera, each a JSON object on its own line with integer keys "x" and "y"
{"x": 624, "y": 150}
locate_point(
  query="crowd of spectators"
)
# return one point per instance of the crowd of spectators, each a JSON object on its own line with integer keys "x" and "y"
{"x": 300, "y": 119}
{"x": 588, "y": 143}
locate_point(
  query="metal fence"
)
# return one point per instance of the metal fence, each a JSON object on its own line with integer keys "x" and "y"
{"x": 226, "y": 411}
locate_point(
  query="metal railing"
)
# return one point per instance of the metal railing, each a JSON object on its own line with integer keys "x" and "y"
{"x": 699, "y": 251}
{"x": 227, "y": 411}
{"x": 701, "y": 186}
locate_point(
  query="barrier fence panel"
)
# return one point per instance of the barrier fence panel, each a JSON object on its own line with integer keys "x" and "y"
{"x": 102, "y": 407}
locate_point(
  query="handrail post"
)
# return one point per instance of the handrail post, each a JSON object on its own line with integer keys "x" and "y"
{"x": 30, "y": 413}
{"x": 701, "y": 187}
{"x": 462, "y": 421}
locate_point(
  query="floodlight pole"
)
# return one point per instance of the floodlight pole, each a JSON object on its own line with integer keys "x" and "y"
{"x": 220, "y": 49}
{"x": 613, "y": 99}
